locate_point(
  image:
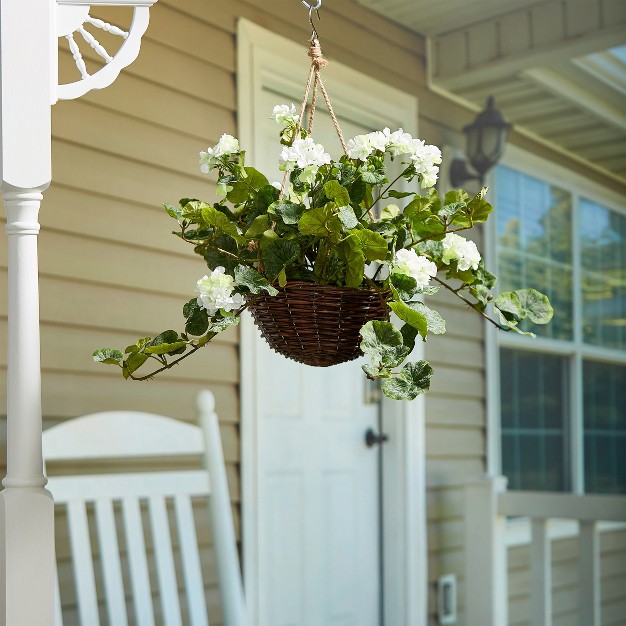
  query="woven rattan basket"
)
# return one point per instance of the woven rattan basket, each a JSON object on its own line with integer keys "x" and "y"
{"x": 317, "y": 324}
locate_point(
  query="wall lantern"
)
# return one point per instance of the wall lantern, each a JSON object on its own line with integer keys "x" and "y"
{"x": 485, "y": 144}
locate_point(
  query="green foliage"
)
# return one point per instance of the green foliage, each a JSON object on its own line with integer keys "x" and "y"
{"x": 322, "y": 228}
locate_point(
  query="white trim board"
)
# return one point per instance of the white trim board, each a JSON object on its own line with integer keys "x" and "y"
{"x": 269, "y": 60}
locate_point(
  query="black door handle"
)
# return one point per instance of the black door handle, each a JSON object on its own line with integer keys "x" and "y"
{"x": 372, "y": 438}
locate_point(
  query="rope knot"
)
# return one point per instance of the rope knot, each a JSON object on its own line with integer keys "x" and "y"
{"x": 316, "y": 56}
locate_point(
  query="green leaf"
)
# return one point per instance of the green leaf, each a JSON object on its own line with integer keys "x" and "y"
{"x": 413, "y": 381}
{"x": 320, "y": 222}
{"x": 404, "y": 287}
{"x": 258, "y": 226}
{"x": 239, "y": 193}
{"x": 349, "y": 251}
{"x": 282, "y": 278}
{"x": 373, "y": 245}
{"x": 419, "y": 212}
{"x": 289, "y": 212}
{"x": 477, "y": 210}
{"x": 108, "y": 356}
{"x": 534, "y": 305}
{"x": 509, "y": 306}
{"x": 456, "y": 196}
{"x": 173, "y": 211}
{"x": 255, "y": 179}
{"x": 221, "y": 324}
{"x": 411, "y": 317}
{"x": 347, "y": 217}
{"x": 278, "y": 255}
{"x": 165, "y": 343}
{"x": 399, "y": 194}
{"x": 371, "y": 371}
{"x": 133, "y": 363}
{"x": 192, "y": 209}
{"x": 221, "y": 223}
{"x": 436, "y": 323}
{"x": 382, "y": 342}
{"x": 197, "y": 318}
{"x": 390, "y": 211}
{"x": 254, "y": 281}
{"x": 409, "y": 335}
{"x": 334, "y": 191}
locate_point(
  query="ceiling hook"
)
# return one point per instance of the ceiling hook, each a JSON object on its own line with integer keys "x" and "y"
{"x": 313, "y": 6}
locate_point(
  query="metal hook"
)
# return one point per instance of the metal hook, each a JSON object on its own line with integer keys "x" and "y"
{"x": 313, "y": 7}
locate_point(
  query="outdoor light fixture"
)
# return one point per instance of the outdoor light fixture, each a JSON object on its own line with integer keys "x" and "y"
{"x": 485, "y": 145}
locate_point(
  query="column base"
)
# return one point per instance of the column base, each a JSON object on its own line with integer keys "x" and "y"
{"x": 27, "y": 557}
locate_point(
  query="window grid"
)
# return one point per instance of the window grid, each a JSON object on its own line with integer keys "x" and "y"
{"x": 575, "y": 349}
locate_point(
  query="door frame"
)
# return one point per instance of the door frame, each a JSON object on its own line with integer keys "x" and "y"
{"x": 265, "y": 59}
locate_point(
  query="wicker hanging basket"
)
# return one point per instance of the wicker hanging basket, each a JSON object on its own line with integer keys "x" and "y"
{"x": 317, "y": 324}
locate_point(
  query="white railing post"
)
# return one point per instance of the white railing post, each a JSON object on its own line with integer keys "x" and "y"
{"x": 540, "y": 574}
{"x": 486, "y": 593}
{"x": 27, "y": 571}
{"x": 589, "y": 575}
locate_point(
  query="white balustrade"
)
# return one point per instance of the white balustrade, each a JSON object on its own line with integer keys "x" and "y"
{"x": 487, "y": 506}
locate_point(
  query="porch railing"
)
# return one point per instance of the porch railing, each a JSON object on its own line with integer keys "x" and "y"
{"x": 487, "y": 506}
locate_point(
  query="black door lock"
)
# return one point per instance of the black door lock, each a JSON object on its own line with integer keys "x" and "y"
{"x": 372, "y": 438}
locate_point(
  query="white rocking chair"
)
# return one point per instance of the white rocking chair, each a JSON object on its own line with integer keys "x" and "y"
{"x": 124, "y": 435}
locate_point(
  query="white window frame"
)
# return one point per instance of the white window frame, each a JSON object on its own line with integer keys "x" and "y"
{"x": 527, "y": 163}
{"x": 261, "y": 61}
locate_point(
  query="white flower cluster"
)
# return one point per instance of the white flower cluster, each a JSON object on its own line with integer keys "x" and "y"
{"x": 285, "y": 115}
{"x": 465, "y": 252}
{"x": 210, "y": 159}
{"x": 409, "y": 263}
{"x": 303, "y": 153}
{"x": 425, "y": 157}
{"x": 216, "y": 292}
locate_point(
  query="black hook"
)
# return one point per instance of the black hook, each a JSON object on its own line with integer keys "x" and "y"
{"x": 313, "y": 7}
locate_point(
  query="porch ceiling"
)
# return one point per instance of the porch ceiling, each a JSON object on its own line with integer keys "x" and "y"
{"x": 557, "y": 68}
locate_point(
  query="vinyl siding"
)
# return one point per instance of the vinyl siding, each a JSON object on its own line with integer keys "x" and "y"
{"x": 110, "y": 271}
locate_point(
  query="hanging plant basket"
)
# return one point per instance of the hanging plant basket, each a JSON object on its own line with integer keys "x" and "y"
{"x": 317, "y": 324}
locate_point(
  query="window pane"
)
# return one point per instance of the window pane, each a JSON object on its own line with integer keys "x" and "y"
{"x": 534, "y": 397}
{"x": 534, "y": 229}
{"x": 605, "y": 427}
{"x": 603, "y": 262}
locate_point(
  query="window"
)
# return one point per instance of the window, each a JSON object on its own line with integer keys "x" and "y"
{"x": 563, "y": 395}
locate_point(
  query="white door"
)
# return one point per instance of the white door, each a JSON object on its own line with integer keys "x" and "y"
{"x": 318, "y": 496}
{"x": 311, "y": 487}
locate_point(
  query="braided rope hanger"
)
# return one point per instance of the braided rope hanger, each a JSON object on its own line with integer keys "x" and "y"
{"x": 314, "y": 81}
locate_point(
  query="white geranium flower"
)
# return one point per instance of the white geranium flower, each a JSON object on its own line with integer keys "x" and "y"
{"x": 409, "y": 263}
{"x": 302, "y": 153}
{"x": 284, "y": 114}
{"x": 399, "y": 142}
{"x": 378, "y": 140}
{"x": 360, "y": 147}
{"x": 465, "y": 252}
{"x": 216, "y": 292}
{"x": 210, "y": 159}
{"x": 429, "y": 175}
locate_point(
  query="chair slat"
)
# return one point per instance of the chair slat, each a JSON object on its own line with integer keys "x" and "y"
{"x": 111, "y": 566}
{"x": 137, "y": 561}
{"x": 82, "y": 560}
{"x": 58, "y": 612}
{"x": 164, "y": 554}
{"x": 194, "y": 587}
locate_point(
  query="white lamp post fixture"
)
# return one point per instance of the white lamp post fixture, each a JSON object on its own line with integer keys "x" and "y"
{"x": 28, "y": 85}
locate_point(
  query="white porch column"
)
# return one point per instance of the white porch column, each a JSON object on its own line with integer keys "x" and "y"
{"x": 26, "y": 507}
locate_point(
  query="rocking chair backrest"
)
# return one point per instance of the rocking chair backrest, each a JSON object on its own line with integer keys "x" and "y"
{"x": 132, "y": 496}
